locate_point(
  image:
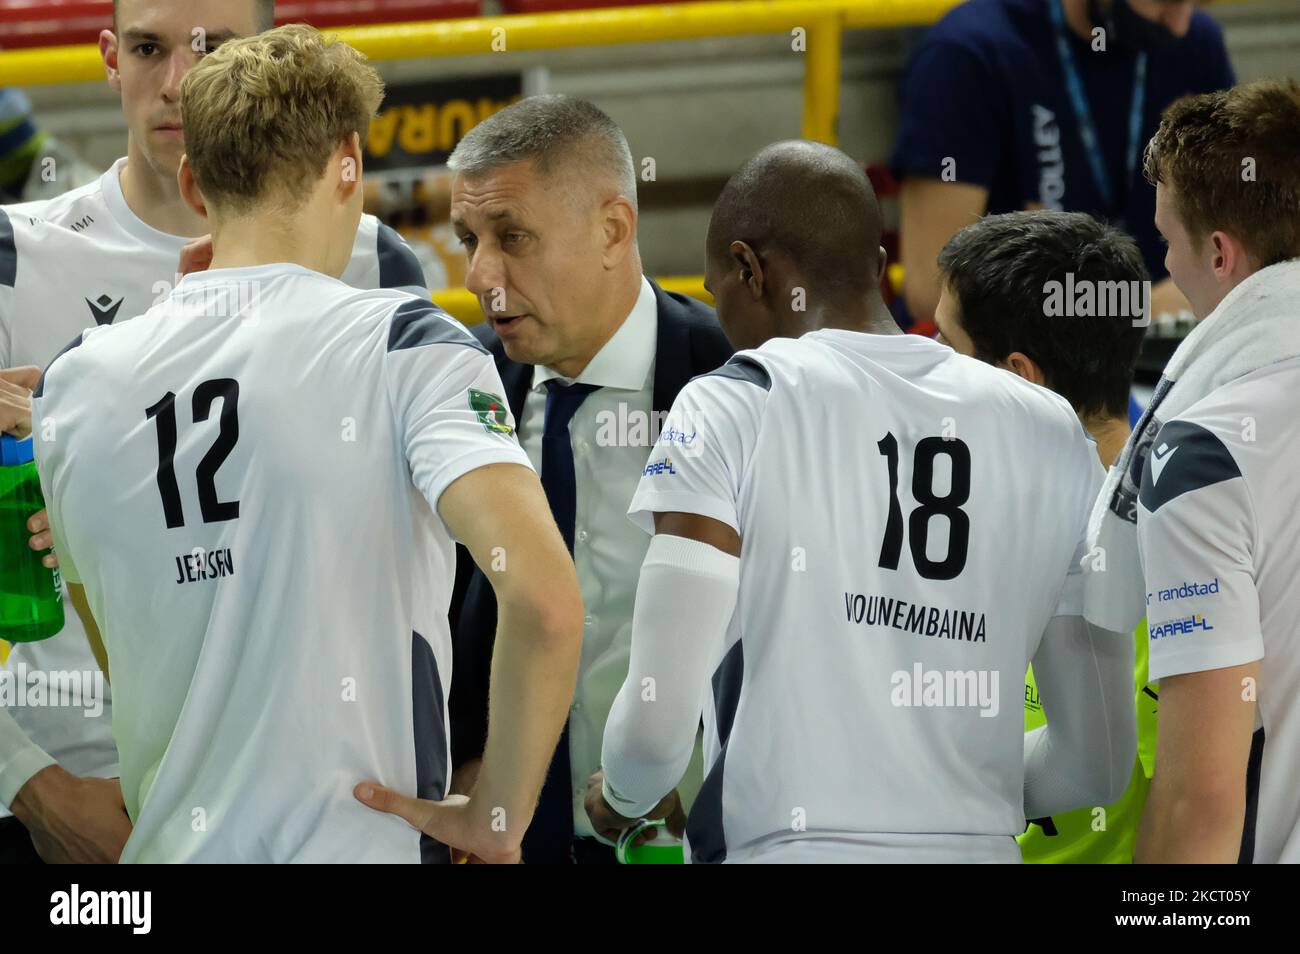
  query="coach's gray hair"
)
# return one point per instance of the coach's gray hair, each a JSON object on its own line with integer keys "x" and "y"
{"x": 552, "y": 131}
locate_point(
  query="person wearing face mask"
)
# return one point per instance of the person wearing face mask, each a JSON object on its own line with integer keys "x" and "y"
{"x": 1023, "y": 104}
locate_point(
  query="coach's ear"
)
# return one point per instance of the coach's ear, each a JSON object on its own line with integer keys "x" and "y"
{"x": 189, "y": 188}
{"x": 1026, "y": 367}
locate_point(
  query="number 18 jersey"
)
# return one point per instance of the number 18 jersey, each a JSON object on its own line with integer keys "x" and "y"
{"x": 246, "y": 480}
{"x": 910, "y": 521}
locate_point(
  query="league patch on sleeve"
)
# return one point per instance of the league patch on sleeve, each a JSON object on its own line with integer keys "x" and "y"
{"x": 491, "y": 411}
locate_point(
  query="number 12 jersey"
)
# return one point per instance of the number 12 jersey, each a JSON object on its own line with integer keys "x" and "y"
{"x": 246, "y": 481}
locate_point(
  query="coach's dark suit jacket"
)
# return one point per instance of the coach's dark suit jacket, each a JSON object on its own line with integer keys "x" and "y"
{"x": 690, "y": 342}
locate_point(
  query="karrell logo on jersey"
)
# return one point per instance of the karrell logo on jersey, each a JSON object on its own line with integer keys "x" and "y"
{"x": 104, "y": 309}
{"x": 491, "y": 410}
{"x": 1181, "y": 627}
{"x": 664, "y": 467}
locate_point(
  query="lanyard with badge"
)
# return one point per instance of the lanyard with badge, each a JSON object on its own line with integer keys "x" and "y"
{"x": 1083, "y": 115}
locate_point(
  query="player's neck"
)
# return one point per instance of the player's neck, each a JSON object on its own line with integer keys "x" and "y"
{"x": 867, "y": 315}
{"x": 1077, "y": 19}
{"x": 1110, "y": 433}
{"x": 155, "y": 198}
{"x": 272, "y": 239}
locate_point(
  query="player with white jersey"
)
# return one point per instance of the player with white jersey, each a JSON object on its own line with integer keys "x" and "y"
{"x": 864, "y": 537}
{"x": 259, "y": 483}
{"x": 99, "y": 255}
{"x": 1207, "y": 487}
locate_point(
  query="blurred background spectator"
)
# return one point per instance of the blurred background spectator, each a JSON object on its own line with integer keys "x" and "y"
{"x": 1021, "y": 104}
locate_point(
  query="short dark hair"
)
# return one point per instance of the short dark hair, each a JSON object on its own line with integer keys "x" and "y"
{"x": 999, "y": 270}
{"x": 811, "y": 201}
{"x": 1233, "y": 160}
{"x": 265, "y": 14}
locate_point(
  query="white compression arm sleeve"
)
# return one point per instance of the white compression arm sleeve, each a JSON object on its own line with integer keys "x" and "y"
{"x": 1084, "y": 755}
{"x": 20, "y": 758}
{"x": 684, "y": 601}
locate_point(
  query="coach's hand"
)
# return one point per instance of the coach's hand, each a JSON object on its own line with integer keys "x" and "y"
{"x": 458, "y": 822}
{"x": 196, "y": 256}
{"x": 609, "y": 824}
{"x": 73, "y": 820}
{"x": 16, "y": 386}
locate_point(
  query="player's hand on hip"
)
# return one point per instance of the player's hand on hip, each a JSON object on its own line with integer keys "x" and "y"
{"x": 456, "y": 821}
{"x": 196, "y": 256}
{"x": 38, "y": 525}
{"x": 73, "y": 820}
{"x": 16, "y": 386}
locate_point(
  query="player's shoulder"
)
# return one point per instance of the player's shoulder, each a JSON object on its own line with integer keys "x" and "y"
{"x": 405, "y": 321}
{"x": 381, "y": 258}
{"x": 743, "y": 379}
{"x": 67, "y": 209}
{"x": 80, "y": 361}
{"x": 1225, "y": 435}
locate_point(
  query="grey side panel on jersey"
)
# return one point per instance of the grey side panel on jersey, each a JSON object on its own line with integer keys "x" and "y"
{"x": 1183, "y": 458}
{"x": 430, "y": 739}
{"x": 417, "y": 323}
{"x": 8, "y": 252}
{"x": 398, "y": 266}
{"x": 40, "y": 385}
{"x": 744, "y": 368}
{"x": 704, "y": 826}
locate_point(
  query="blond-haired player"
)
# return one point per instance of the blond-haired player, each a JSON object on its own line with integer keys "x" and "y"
{"x": 259, "y": 482}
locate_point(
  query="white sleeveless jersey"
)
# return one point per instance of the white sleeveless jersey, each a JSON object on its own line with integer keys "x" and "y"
{"x": 85, "y": 260}
{"x": 910, "y": 521}
{"x": 245, "y": 479}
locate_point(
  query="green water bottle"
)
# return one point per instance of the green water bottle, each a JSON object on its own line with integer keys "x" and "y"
{"x": 31, "y": 594}
{"x": 663, "y": 849}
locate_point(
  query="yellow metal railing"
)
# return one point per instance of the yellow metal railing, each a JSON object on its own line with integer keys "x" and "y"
{"x": 821, "y": 23}
{"x": 815, "y": 28}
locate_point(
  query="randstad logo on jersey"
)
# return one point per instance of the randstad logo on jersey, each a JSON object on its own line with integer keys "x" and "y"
{"x": 1181, "y": 627}
{"x": 674, "y": 435}
{"x": 660, "y": 467}
{"x": 1186, "y": 591}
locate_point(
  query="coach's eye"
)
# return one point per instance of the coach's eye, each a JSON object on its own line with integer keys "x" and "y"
{"x": 465, "y": 241}
{"x": 514, "y": 237}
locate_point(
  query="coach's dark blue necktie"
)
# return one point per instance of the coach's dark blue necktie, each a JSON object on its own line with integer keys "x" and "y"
{"x": 550, "y": 837}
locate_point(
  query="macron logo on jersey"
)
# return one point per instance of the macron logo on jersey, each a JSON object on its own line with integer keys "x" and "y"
{"x": 1159, "y": 457}
{"x": 104, "y": 309}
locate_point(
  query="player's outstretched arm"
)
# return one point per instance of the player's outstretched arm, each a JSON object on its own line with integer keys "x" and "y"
{"x": 1196, "y": 809}
{"x": 500, "y": 513}
{"x": 685, "y": 597}
{"x": 1084, "y": 755}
